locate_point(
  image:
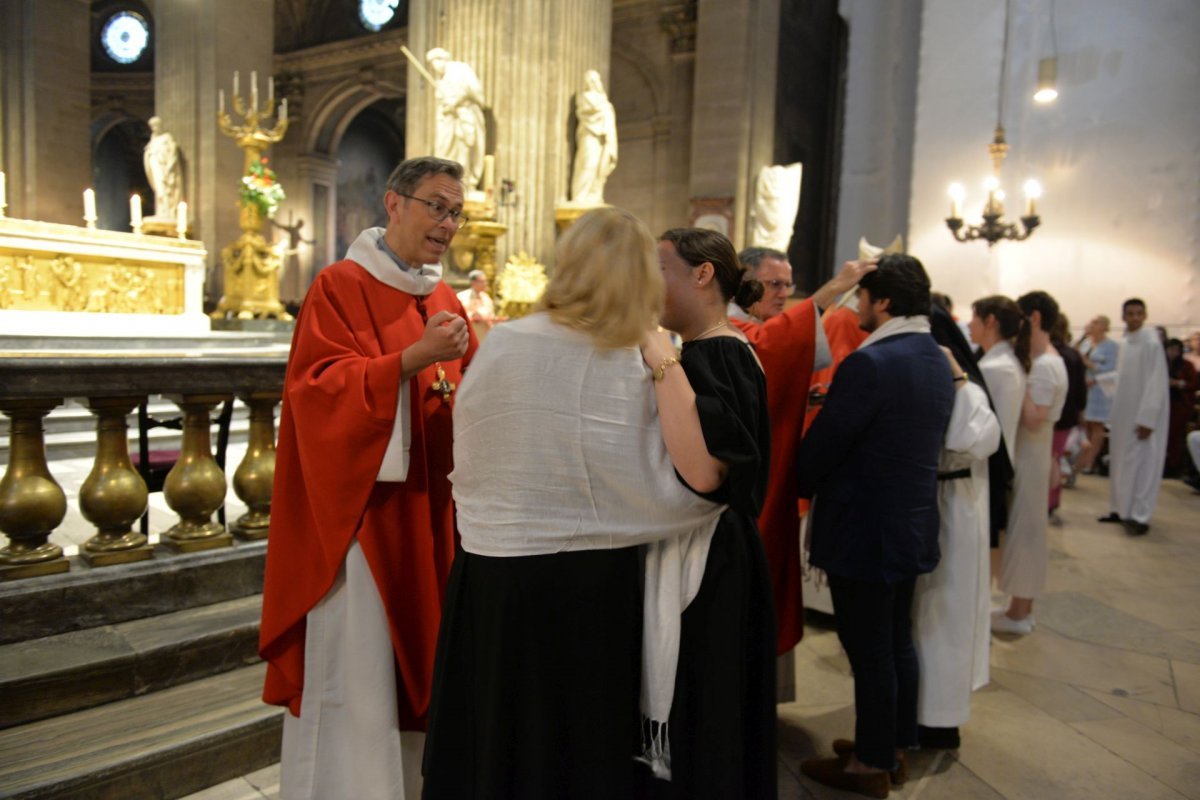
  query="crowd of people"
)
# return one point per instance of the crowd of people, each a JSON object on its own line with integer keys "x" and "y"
{"x": 562, "y": 562}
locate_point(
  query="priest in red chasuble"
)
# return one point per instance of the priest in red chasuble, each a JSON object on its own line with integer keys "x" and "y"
{"x": 790, "y": 344}
{"x": 362, "y": 525}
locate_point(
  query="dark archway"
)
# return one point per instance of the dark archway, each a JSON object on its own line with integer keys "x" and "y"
{"x": 371, "y": 147}
{"x": 118, "y": 173}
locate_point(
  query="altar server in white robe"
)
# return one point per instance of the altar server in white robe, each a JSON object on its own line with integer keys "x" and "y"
{"x": 951, "y": 607}
{"x": 1138, "y": 422}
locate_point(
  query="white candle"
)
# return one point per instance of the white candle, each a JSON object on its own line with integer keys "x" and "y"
{"x": 489, "y": 171}
{"x": 181, "y": 220}
{"x": 254, "y": 89}
{"x": 220, "y": 101}
{"x": 271, "y": 89}
{"x": 283, "y": 110}
{"x": 89, "y": 206}
{"x": 235, "y": 83}
{"x": 3, "y": 198}
{"x": 135, "y": 213}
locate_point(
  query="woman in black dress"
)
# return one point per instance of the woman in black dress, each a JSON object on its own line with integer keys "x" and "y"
{"x": 722, "y": 721}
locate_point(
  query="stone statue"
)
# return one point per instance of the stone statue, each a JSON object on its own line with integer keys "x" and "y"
{"x": 595, "y": 142}
{"x": 164, "y": 171}
{"x": 776, "y": 201}
{"x": 461, "y": 130}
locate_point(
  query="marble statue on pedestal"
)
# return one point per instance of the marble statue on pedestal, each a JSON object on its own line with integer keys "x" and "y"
{"x": 776, "y": 201}
{"x": 461, "y": 129}
{"x": 164, "y": 170}
{"x": 595, "y": 142}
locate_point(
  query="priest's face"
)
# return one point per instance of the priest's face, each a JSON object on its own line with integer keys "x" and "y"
{"x": 1134, "y": 315}
{"x": 775, "y": 274}
{"x": 413, "y": 231}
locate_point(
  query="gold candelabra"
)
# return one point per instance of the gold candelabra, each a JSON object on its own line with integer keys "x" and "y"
{"x": 251, "y": 266}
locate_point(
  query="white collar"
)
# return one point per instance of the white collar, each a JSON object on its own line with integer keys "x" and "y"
{"x": 896, "y": 326}
{"x": 370, "y": 251}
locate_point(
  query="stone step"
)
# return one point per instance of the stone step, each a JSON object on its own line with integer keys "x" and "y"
{"x": 60, "y": 674}
{"x": 162, "y": 745}
{"x": 90, "y": 597}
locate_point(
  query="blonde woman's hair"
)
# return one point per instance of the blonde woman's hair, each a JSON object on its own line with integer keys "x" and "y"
{"x": 606, "y": 282}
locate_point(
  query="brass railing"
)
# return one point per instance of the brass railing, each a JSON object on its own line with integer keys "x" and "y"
{"x": 114, "y": 496}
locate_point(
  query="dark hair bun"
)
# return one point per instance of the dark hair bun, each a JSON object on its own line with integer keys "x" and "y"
{"x": 749, "y": 292}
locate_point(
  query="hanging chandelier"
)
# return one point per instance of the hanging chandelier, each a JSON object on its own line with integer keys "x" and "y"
{"x": 992, "y": 226}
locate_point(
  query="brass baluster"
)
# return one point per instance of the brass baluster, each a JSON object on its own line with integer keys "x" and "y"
{"x": 113, "y": 496}
{"x": 195, "y": 486}
{"x": 32, "y": 504}
{"x": 254, "y": 477}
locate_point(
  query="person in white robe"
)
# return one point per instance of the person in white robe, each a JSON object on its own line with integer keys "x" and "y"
{"x": 1138, "y": 421}
{"x": 950, "y": 610}
{"x": 1025, "y": 553}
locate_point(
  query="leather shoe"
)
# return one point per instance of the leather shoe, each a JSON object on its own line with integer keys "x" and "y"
{"x": 832, "y": 772}
{"x": 1113, "y": 517}
{"x": 1135, "y": 528}
{"x": 938, "y": 738}
{"x": 845, "y": 749}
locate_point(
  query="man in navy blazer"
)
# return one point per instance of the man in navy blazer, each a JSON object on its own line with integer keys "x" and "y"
{"x": 870, "y": 459}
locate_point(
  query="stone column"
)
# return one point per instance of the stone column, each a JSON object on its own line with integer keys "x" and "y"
{"x": 200, "y": 45}
{"x": 733, "y": 122}
{"x": 45, "y": 107}
{"x": 530, "y": 57}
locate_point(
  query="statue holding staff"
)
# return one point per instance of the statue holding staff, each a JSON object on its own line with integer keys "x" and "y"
{"x": 461, "y": 130}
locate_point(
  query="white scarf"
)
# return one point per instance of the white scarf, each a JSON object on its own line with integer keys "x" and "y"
{"x": 557, "y": 447}
{"x": 896, "y": 326}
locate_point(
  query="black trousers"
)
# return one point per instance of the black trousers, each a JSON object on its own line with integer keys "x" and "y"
{"x": 874, "y": 624}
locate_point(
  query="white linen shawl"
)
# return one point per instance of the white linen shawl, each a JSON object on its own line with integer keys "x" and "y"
{"x": 557, "y": 447}
{"x": 371, "y": 252}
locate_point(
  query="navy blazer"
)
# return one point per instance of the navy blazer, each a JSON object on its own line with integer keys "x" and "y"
{"x": 871, "y": 459}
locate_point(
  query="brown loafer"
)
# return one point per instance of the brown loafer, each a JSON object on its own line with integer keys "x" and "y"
{"x": 845, "y": 749}
{"x": 832, "y": 772}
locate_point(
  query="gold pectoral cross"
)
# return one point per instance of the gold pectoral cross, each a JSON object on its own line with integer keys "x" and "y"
{"x": 442, "y": 385}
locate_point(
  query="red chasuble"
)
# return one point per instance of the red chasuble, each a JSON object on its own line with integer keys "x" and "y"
{"x": 786, "y": 345}
{"x": 339, "y": 409}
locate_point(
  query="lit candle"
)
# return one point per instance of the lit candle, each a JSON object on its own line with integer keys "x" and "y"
{"x": 991, "y": 184}
{"x": 1033, "y": 190}
{"x": 3, "y": 198}
{"x": 957, "y": 193}
{"x": 182, "y": 219}
{"x": 235, "y": 83}
{"x": 283, "y": 110}
{"x": 254, "y": 89}
{"x": 489, "y": 171}
{"x": 271, "y": 89}
{"x": 89, "y": 207}
{"x": 220, "y": 101}
{"x": 135, "y": 213}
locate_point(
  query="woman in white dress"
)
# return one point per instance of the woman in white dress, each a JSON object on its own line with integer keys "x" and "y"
{"x": 1025, "y": 555}
{"x": 996, "y": 327}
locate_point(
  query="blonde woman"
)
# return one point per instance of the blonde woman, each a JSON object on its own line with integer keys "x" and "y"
{"x": 555, "y": 620}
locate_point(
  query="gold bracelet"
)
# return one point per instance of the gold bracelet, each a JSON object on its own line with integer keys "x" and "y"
{"x": 660, "y": 371}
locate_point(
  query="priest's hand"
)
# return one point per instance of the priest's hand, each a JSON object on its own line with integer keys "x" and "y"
{"x": 1143, "y": 432}
{"x": 445, "y": 338}
{"x": 846, "y": 279}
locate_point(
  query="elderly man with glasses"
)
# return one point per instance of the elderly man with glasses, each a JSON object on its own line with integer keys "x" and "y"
{"x": 362, "y": 527}
{"x": 790, "y": 343}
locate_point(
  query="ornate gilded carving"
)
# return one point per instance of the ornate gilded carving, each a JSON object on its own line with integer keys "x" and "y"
{"x": 520, "y": 285}
{"x": 56, "y": 282}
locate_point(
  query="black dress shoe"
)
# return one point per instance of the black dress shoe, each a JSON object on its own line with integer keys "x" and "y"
{"x": 1135, "y": 528}
{"x": 832, "y": 772}
{"x": 1113, "y": 517}
{"x": 938, "y": 738}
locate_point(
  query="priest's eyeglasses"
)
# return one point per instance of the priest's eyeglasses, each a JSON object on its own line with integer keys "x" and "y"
{"x": 775, "y": 286}
{"x": 438, "y": 211}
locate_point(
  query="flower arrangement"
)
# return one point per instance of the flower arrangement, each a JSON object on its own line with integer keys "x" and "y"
{"x": 260, "y": 187}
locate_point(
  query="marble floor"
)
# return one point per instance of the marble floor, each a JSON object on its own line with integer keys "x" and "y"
{"x": 1101, "y": 701}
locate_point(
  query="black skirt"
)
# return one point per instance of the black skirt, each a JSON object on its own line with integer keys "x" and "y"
{"x": 536, "y": 679}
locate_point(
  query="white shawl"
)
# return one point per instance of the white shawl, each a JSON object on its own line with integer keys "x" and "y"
{"x": 557, "y": 447}
{"x": 371, "y": 252}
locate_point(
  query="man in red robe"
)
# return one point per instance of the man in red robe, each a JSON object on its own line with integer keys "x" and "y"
{"x": 790, "y": 344}
{"x": 362, "y": 525}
